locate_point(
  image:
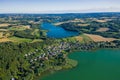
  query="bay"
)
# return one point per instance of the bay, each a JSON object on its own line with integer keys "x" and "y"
{"x": 103, "y": 64}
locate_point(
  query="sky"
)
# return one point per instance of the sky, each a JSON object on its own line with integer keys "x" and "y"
{"x": 59, "y": 6}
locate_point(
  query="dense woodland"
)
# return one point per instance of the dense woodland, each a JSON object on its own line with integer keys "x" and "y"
{"x": 27, "y": 60}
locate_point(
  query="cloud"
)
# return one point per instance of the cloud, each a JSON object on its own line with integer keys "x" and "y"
{"x": 109, "y": 9}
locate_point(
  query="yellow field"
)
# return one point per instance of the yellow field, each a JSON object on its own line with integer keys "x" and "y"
{"x": 19, "y": 40}
{"x": 98, "y": 38}
{"x": 1, "y": 34}
{"x": 83, "y": 38}
{"x": 59, "y": 23}
{"x": 83, "y": 25}
{"x": 4, "y": 40}
{"x": 101, "y": 21}
{"x": 37, "y": 40}
{"x": 102, "y": 29}
{"x": 4, "y": 25}
{"x": 75, "y": 20}
{"x": 79, "y": 38}
{"x": 27, "y": 27}
{"x": 19, "y": 28}
{"x": 3, "y": 30}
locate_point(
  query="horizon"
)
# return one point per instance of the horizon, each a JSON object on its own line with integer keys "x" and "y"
{"x": 64, "y": 13}
{"x": 56, "y": 6}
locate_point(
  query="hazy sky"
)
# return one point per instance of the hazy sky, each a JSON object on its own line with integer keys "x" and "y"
{"x": 56, "y": 6}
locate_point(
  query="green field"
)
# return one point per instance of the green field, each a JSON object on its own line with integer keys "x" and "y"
{"x": 20, "y": 40}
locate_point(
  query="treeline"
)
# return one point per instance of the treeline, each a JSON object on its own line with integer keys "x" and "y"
{"x": 14, "y": 64}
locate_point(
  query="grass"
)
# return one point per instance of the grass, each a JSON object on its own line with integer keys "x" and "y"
{"x": 102, "y": 29}
{"x": 20, "y": 40}
{"x": 74, "y": 21}
{"x": 83, "y": 25}
{"x": 86, "y": 38}
{"x": 101, "y": 21}
{"x": 4, "y": 40}
{"x": 1, "y": 34}
{"x": 36, "y": 32}
{"x": 83, "y": 38}
{"x": 19, "y": 28}
{"x": 4, "y": 34}
{"x": 3, "y": 30}
{"x": 4, "y": 25}
{"x": 79, "y": 38}
{"x": 70, "y": 63}
{"x": 37, "y": 40}
{"x": 98, "y": 38}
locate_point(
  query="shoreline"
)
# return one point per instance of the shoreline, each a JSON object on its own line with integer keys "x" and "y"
{"x": 53, "y": 70}
{"x": 71, "y": 52}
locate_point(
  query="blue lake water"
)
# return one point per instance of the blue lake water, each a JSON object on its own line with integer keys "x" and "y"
{"x": 57, "y": 32}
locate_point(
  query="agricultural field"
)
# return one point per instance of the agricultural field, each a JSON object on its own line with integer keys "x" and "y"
{"x": 83, "y": 38}
{"x": 5, "y": 40}
{"x": 20, "y": 29}
{"x": 102, "y": 29}
{"x": 19, "y": 40}
{"x": 98, "y": 38}
{"x": 4, "y": 25}
{"x": 108, "y": 27}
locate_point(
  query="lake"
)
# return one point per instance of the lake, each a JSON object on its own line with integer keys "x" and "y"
{"x": 57, "y": 32}
{"x": 103, "y": 64}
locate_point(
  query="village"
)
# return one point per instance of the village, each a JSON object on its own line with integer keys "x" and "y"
{"x": 60, "y": 50}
